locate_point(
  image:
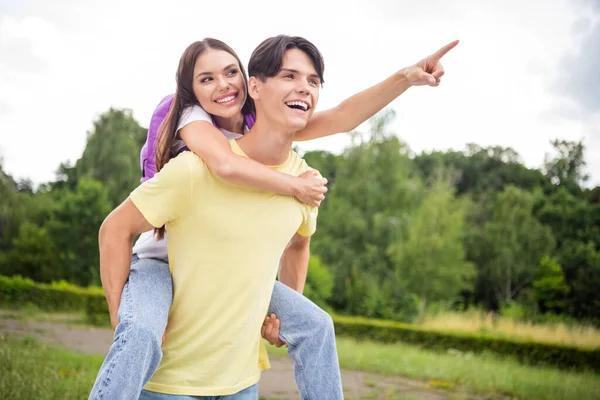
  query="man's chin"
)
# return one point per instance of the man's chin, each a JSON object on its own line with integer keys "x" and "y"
{"x": 298, "y": 124}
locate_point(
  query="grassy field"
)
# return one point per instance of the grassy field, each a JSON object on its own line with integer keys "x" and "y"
{"x": 481, "y": 374}
{"x": 30, "y": 370}
{"x": 474, "y": 321}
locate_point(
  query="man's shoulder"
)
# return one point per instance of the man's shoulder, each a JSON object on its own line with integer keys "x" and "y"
{"x": 183, "y": 164}
{"x": 296, "y": 165}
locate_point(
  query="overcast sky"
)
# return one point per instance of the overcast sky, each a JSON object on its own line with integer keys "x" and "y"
{"x": 525, "y": 71}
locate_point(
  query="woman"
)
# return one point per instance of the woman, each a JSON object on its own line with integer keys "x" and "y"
{"x": 206, "y": 87}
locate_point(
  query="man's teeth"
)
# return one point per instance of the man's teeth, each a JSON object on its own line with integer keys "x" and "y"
{"x": 298, "y": 103}
{"x": 226, "y": 99}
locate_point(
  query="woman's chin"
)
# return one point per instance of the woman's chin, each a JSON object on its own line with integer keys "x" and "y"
{"x": 225, "y": 112}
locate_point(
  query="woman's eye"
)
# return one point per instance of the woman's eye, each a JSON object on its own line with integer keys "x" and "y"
{"x": 290, "y": 76}
{"x": 203, "y": 80}
{"x": 232, "y": 72}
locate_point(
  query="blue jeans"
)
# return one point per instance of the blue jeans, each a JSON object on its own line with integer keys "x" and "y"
{"x": 145, "y": 303}
{"x": 250, "y": 393}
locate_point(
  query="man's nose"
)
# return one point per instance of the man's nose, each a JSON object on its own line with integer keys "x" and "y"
{"x": 303, "y": 87}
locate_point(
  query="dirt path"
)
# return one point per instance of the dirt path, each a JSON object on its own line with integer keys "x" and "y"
{"x": 276, "y": 383}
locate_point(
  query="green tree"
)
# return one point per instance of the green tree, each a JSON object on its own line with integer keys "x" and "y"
{"x": 480, "y": 171}
{"x": 319, "y": 282}
{"x": 583, "y": 261}
{"x": 111, "y": 154}
{"x": 32, "y": 255}
{"x": 13, "y": 210}
{"x": 74, "y": 225}
{"x": 370, "y": 194}
{"x": 430, "y": 258}
{"x": 549, "y": 286}
{"x": 566, "y": 167}
{"x": 511, "y": 244}
{"x": 575, "y": 223}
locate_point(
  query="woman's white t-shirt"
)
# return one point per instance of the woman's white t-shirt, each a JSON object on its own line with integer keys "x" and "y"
{"x": 146, "y": 246}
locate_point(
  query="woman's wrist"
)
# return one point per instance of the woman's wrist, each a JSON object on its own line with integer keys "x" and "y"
{"x": 295, "y": 186}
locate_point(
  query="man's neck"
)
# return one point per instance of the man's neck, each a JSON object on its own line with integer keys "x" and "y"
{"x": 267, "y": 144}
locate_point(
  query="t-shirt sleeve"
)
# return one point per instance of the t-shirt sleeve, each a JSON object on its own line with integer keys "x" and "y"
{"x": 192, "y": 114}
{"x": 165, "y": 197}
{"x": 309, "y": 222}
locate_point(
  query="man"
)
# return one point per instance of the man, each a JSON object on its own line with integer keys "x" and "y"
{"x": 226, "y": 240}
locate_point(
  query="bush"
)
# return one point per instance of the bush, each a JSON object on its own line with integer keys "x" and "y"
{"x": 54, "y": 297}
{"x": 319, "y": 282}
{"x": 96, "y": 310}
{"x": 514, "y": 311}
{"x": 525, "y": 351}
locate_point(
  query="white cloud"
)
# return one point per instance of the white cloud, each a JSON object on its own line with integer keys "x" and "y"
{"x": 4, "y": 108}
{"x": 125, "y": 53}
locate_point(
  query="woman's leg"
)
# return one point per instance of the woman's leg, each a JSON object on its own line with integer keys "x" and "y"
{"x": 136, "y": 349}
{"x": 309, "y": 333}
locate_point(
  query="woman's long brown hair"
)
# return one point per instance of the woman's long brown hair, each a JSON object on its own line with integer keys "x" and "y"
{"x": 184, "y": 97}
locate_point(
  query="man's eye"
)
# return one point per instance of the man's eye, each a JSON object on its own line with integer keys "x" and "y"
{"x": 314, "y": 82}
{"x": 288, "y": 76}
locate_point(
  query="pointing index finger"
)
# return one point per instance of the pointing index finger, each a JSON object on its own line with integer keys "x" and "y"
{"x": 442, "y": 52}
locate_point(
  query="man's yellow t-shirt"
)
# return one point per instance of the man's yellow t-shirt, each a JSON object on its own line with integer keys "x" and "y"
{"x": 225, "y": 242}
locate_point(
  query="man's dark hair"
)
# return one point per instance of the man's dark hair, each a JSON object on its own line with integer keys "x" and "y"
{"x": 267, "y": 58}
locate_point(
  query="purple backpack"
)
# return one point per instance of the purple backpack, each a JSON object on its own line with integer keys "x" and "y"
{"x": 147, "y": 155}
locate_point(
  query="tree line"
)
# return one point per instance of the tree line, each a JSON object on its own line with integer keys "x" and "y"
{"x": 399, "y": 233}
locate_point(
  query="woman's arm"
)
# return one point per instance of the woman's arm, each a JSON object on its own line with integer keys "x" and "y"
{"x": 210, "y": 144}
{"x": 358, "y": 108}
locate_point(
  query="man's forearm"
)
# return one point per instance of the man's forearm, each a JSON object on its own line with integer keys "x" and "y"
{"x": 293, "y": 266}
{"x": 115, "y": 261}
{"x": 115, "y": 239}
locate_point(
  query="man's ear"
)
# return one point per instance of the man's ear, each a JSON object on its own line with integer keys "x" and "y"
{"x": 254, "y": 87}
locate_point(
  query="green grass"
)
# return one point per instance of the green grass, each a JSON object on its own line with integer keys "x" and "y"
{"x": 474, "y": 321}
{"x": 479, "y": 374}
{"x": 31, "y": 370}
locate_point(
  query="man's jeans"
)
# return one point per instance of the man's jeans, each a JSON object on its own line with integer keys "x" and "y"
{"x": 145, "y": 303}
{"x": 250, "y": 393}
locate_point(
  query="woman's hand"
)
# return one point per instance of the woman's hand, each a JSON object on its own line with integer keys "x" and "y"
{"x": 310, "y": 187}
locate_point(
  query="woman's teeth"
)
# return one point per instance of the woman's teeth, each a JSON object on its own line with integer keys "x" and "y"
{"x": 226, "y": 99}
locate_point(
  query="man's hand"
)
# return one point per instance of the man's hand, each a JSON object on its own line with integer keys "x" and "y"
{"x": 114, "y": 321}
{"x": 270, "y": 331}
{"x": 310, "y": 187}
{"x": 429, "y": 70}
